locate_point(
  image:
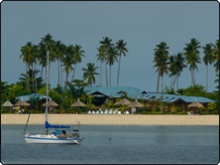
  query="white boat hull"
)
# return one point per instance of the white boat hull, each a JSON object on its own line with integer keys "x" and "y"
{"x": 40, "y": 138}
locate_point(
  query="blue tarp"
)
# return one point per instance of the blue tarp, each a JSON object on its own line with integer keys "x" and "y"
{"x": 47, "y": 125}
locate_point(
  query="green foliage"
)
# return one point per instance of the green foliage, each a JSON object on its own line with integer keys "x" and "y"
{"x": 211, "y": 106}
{"x": 196, "y": 90}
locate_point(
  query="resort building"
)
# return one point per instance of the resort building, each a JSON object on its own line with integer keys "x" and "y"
{"x": 149, "y": 99}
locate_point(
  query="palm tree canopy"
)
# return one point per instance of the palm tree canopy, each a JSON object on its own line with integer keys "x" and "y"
{"x": 121, "y": 47}
{"x": 208, "y": 51}
{"x": 90, "y": 72}
{"x": 112, "y": 56}
{"x": 161, "y": 56}
{"x": 192, "y": 53}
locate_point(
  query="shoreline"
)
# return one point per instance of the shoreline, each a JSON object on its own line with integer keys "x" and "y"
{"x": 86, "y": 119}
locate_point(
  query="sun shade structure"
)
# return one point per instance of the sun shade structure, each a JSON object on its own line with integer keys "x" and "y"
{"x": 22, "y": 103}
{"x": 50, "y": 104}
{"x": 7, "y": 104}
{"x": 136, "y": 104}
{"x": 78, "y": 104}
{"x": 195, "y": 105}
{"x": 124, "y": 101}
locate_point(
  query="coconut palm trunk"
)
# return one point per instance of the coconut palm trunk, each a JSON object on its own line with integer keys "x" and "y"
{"x": 118, "y": 70}
{"x": 158, "y": 82}
{"x": 100, "y": 73}
{"x": 106, "y": 73}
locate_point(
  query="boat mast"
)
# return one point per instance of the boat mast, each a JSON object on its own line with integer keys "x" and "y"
{"x": 46, "y": 110}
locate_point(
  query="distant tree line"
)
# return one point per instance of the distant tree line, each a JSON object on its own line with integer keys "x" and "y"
{"x": 190, "y": 57}
{"x": 68, "y": 57}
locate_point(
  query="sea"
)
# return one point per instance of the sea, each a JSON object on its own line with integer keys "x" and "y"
{"x": 116, "y": 144}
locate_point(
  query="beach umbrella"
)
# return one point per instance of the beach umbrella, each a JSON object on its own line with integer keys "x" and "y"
{"x": 78, "y": 103}
{"x": 195, "y": 105}
{"x": 123, "y": 101}
{"x": 7, "y": 104}
{"x": 50, "y": 104}
{"x": 136, "y": 104}
{"x": 22, "y": 103}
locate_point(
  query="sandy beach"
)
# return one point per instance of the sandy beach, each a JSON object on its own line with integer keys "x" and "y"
{"x": 85, "y": 119}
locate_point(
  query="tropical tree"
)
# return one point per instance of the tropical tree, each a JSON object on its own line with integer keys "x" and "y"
{"x": 192, "y": 57}
{"x": 216, "y": 56}
{"x": 217, "y": 81}
{"x": 34, "y": 63}
{"x": 47, "y": 44}
{"x": 89, "y": 74}
{"x": 60, "y": 50}
{"x": 111, "y": 58}
{"x": 161, "y": 56}
{"x": 5, "y": 89}
{"x": 77, "y": 58}
{"x": 28, "y": 58}
{"x": 100, "y": 57}
{"x": 122, "y": 50}
{"x": 30, "y": 79}
{"x": 68, "y": 61}
{"x": 216, "y": 61}
{"x": 177, "y": 63}
{"x": 106, "y": 43}
{"x": 207, "y": 59}
{"x": 172, "y": 69}
{"x": 79, "y": 89}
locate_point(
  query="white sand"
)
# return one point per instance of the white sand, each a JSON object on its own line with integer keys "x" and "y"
{"x": 85, "y": 119}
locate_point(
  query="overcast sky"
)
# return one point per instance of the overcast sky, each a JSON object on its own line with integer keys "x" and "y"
{"x": 141, "y": 24}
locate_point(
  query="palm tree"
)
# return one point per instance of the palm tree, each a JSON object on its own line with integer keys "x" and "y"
{"x": 161, "y": 56}
{"x": 180, "y": 63}
{"x": 207, "y": 59}
{"x": 77, "y": 58}
{"x": 79, "y": 88}
{"x": 28, "y": 58}
{"x": 105, "y": 46}
{"x": 111, "y": 58}
{"x": 173, "y": 70}
{"x": 192, "y": 57}
{"x": 47, "y": 43}
{"x": 216, "y": 56}
{"x": 42, "y": 59}
{"x": 120, "y": 46}
{"x": 60, "y": 50}
{"x": 68, "y": 61}
{"x": 217, "y": 81}
{"x": 216, "y": 60}
{"x": 89, "y": 74}
{"x": 100, "y": 57}
{"x": 177, "y": 63}
{"x": 30, "y": 78}
{"x": 35, "y": 53}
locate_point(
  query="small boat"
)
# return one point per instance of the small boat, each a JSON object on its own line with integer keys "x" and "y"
{"x": 53, "y": 133}
{"x": 58, "y": 134}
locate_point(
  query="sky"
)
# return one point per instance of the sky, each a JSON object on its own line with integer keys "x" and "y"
{"x": 141, "y": 24}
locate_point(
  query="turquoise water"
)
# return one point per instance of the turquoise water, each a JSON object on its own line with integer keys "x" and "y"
{"x": 117, "y": 145}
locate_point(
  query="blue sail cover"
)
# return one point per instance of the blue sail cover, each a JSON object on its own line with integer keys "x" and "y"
{"x": 47, "y": 125}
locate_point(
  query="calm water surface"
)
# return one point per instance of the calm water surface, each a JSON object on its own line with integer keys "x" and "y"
{"x": 117, "y": 145}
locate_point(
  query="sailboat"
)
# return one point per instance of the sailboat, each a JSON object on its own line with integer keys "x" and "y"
{"x": 53, "y": 133}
